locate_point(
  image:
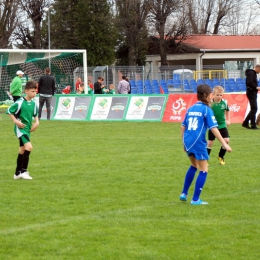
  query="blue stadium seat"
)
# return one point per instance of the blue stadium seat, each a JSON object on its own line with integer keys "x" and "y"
{"x": 162, "y": 81}
{"x": 170, "y": 82}
{"x": 242, "y": 86}
{"x": 176, "y": 76}
{"x": 227, "y": 88}
{"x": 193, "y": 81}
{"x": 235, "y": 88}
{"x": 216, "y": 82}
{"x": 231, "y": 80}
{"x": 166, "y": 91}
{"x": 149, "y": 91}
{"x": 200, "y": 81}
{"x": 133, "y": 91}
{"x": 187, "y": 88}
{"x": 239, "y": 80}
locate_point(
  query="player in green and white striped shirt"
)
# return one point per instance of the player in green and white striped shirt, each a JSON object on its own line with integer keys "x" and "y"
{"x": 22, "y": 113}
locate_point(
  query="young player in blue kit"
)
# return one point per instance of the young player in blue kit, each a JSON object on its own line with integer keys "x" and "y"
{"x": 198, "y": 119}
{"x": 22, "y": 113}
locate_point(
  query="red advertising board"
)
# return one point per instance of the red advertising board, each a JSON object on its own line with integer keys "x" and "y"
{"x": 178, "y": 104}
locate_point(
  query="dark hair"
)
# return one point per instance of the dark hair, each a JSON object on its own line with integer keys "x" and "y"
{"x": 123, "y": 77}
{"x": 203, "y": 91}
{"x": 100, "y": 78}
{"x": 48, "y": 70}
{"x": 31, "y": 84}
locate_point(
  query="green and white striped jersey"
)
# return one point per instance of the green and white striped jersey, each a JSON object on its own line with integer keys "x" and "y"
{"x": 24, "y": 111}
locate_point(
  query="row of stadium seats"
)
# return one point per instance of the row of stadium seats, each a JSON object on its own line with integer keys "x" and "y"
{"x": 162, "y": 86}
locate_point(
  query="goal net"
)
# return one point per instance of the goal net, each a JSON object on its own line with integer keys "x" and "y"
{"x": 66, "y": 66}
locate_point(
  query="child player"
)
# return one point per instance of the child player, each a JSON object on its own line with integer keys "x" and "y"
{"x": 198, "y": 119}
{"x": 221, "y": 112}
{"x": 22, "y": 112}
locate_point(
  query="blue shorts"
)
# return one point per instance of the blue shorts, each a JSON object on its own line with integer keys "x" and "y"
{"x": 199, "y": 156}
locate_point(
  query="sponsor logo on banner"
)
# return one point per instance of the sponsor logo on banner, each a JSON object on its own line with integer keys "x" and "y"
{"x": 154, "y": 108}
{"x": 117, "y": 108}
{"x": 72, "y": 108}
{"x": 81, "y": 108}
{"x": 177, "y": 105}
{"x": 177, "y": 108}
{"x": 66, "y": 103}
{"x": 137, "y": 107}
{"x": 234, "y": 108}
{"x": 101, "y": 108}
{"x": 102, "y": 103}
{"x": 139, "y": 103}
{"x": 65, "y": 108}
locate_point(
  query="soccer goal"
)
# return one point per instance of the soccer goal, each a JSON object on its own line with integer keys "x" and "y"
{"x": 65, "y": 65}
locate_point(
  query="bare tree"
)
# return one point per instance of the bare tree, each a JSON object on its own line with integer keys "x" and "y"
{"x": 131, "y": 17}
{"x": 207, "y": 16}
{"x": 8, "y": 20}
{"x": 161, "y": 10}
{"x": 242, "y": 19}
{"x": 28, "y": 32}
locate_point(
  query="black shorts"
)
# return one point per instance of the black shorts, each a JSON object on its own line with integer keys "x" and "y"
{"x": 23, "y": 140}
{"x": 223, "y": 132}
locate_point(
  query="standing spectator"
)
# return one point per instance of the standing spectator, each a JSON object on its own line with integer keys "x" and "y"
{"x": 198, "y": 119}
{"x": 16, "y": 86}
{"x": 90, "y": 84}
{"x": 123, "y": 86}
{"x": 251, "y": 93}
{"x": 127, "y": 79}
{"x": 78, "y": 82}
{"x": 22, "y": 113}
{"x": 46, "y": 89}
{"x": 98, "y": 86}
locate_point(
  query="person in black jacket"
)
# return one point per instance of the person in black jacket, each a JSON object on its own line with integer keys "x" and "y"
{"x": 98, "y": 86}
{"x": 251, "y": 93}
{"x": 46, "y": 89}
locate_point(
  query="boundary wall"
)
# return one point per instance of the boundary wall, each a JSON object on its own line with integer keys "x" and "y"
{"x": 161, "y": 108}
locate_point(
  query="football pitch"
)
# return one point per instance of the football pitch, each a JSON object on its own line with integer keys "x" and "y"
{"x": 110, "y": 190}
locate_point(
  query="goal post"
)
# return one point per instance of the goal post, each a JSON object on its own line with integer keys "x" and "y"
{"x": 65, "y": 65}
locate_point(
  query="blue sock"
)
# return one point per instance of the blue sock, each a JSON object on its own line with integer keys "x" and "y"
{"x": 188, "y": 179}
{"x": 201, "y": 179}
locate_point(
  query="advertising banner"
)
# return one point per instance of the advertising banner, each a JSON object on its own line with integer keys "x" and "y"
{"x": 178, "y": 104}
{"x": 146, "y": 108}
{"x": 109, "y": 107}
{"x": 72, "y": 107}
{"x": 238, "y": 104}
{"x": 44, "y": 109}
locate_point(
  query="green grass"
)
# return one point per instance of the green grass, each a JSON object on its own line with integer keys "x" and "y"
{"x": 105, "y": 190}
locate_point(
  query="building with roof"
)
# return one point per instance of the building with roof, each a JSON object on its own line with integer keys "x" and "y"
{"x": 208, "y": 50}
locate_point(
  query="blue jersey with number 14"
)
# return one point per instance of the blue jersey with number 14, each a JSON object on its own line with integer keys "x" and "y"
{"x": 198, "y": 119}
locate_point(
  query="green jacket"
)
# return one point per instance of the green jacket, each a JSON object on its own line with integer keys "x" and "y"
{"x": 16, "y": 86}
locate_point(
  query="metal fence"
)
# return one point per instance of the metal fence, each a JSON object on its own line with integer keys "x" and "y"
{"x": 174, "y": 78}
{"x": 177, "y": 78}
